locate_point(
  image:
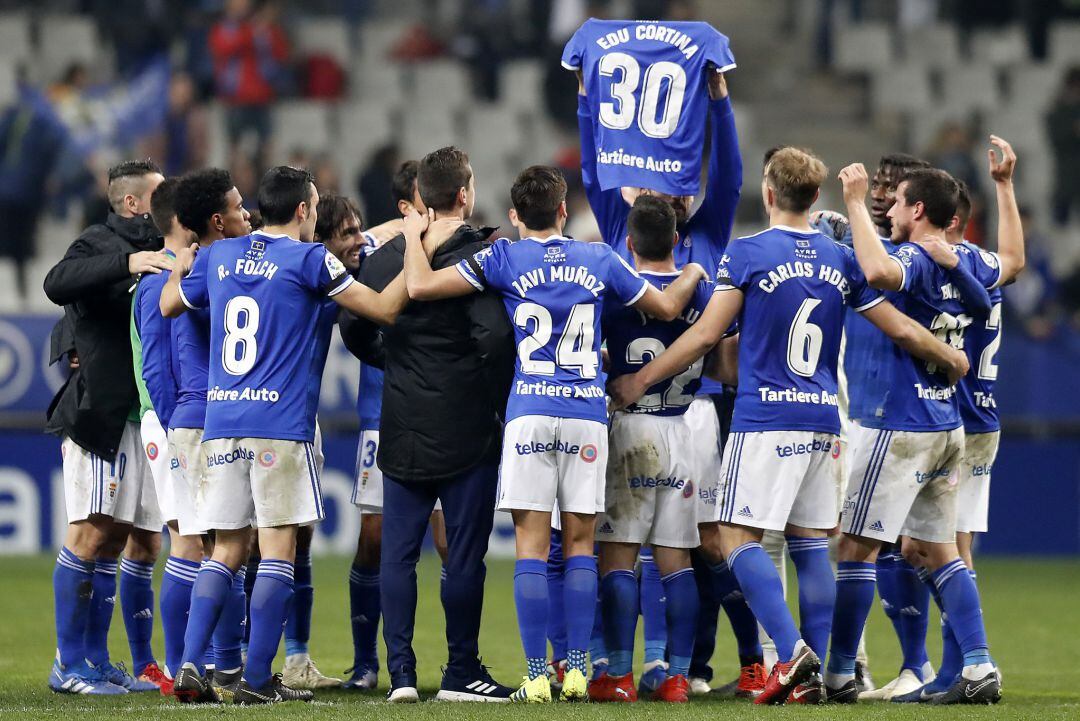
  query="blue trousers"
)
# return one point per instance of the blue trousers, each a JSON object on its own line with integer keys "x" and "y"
{"x": 468, "y": 502}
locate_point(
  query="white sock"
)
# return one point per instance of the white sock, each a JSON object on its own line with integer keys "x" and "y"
{"x": 978, "y": 671}
{"x": 836, "y": 680}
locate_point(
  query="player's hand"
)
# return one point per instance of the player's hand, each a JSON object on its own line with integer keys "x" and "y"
{"x": 73, "y": 360}
{"x": 695, "y": 270}
{"x": 580, "y": 81}
{"x": 416, "y": 223}
{"x": 624, "y": 390}
{"x": 856, "y": 183}
{"x": 958, "y": 368}
{"x": 1001, "y": 170}
{"x": 185, "y": 259}
{"x": 149, "y": 261}
{"x": 717, "y": 85}
{"x": 440, "y": 231}
{"x": 941, "y": 251}
{"x": 834, "y": 225}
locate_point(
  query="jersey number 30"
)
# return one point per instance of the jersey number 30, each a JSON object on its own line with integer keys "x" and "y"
{"x": 241, "y": 323}
{"x": 575, "y": 349}
{"x": 620, "y": 115}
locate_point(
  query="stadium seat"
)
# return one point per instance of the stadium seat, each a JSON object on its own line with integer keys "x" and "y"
{"x": 66, "y": 39}
{"x": 1065, "y": 43}
{"x": 324, "y": 37}
{"x": 427, "y": 129}
{"x": 863, "y": 48}
{"x": 378, "y": 37}
{"x": 360, "y": 129}
{"x": 445, "y": 80}
{"x": 521, "y": 81}
{"x": 14, "y": 38}
{"x": 1033, "y": 86}
{"x": 301, "y": 124}
{"x": 903, "y": 88}
{"x": 999, "y": 48}
{"x": 380, "y": 81}
{"x": 923, "y": 126}
{"x": 936, "y": 46}
{"x": 10, "y": 302}
{"x": 494, "y": 129}
{"x": 36, "y": 270}
{"x": 971, "y": 87}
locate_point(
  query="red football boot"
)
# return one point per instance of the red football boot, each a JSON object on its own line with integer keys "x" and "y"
{"x": 613, "y": 689}
{"x": 751, "y": 681}
{"x": 809, "y": 692}
{"x": 153, "y": 673}
{"x": 787, "y": 675}
{"x": 674, "y": 689}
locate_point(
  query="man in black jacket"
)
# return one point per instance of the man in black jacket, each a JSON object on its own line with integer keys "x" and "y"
{"x": 108, "y": 489}
{"x": 448, "y": 369}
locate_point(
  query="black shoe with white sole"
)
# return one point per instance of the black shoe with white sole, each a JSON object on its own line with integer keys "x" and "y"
{"x": 192, "y": 687}
{"x": 986, "y": 690}
{"x": 475, "y": 686}
{"x": 848, "y": 693}
{"x": 273, "y": 692}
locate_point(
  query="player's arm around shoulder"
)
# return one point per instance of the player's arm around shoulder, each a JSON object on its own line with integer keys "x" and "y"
{"x": 881, "y": 270}
{"x": 423, "y": 283}
{"x": 668, "y": 304}
{"x": 172, "y": 302}
{"x": 917, "y": 340}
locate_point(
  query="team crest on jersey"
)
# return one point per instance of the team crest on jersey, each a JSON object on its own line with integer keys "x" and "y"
{"x": 267, "y": 458}
{"x": 334, "y": 266}
{"x": 588, "y": 453}
{"x": 554, "y": 254}
{"x": 258, "y": 247}
{"x": 151, "y": 451}
{"x": 989, "y": 258}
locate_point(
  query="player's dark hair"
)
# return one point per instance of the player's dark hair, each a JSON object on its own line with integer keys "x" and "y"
{"x": 896, "y": 164}
{"x": 163, "y": 205}
{"x": 124, "y": 179}
{"x": 963, "y": 203}
{"x": 537, "y": 193}
{"x": 281, "y": 190}
{"x": 936, "y": 190}
{"x": 440, "y": 175}
{"x": 651, "y": 225}
{"x": 199, "y": 195}
{"x": 405, "y": 181}
{"x": 334, "y": 210}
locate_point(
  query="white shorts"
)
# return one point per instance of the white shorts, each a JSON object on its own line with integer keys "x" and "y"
{"x": 774, "y": 478}
{"x": 367, "y": 490}
{"x": 259, "y": 481}
{"x": 188, "y": 474}
{"x": 973, "y": 492}
{"x": 903, "y": 483}
{"x": 704, "y": 449}
{"x": 545, "y": 459}
{"x": 651, "y": 483}
{"x": 122, "y": 489}
{"x": 155, "y": 445}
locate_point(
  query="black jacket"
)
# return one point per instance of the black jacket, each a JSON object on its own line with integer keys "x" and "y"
{"x": 448, "y": 367}
{"x": 93, "y": 284}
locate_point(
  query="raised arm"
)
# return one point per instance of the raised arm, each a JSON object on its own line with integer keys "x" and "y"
{"x": 669, "y": 304}
{"x": 422, "y": 282}
{"x": 918, "y": 341}
{"x": 881, "y": 271}
{"x": 694, "y": 343}
{"x": 1010, "y": 231}
{"x": 607, "y": 205}
{"x": 724, "y": 181}
{"x": 382, "y": 308}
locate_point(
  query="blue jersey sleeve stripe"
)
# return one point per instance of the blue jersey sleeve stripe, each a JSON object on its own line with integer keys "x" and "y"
{"x": 724, "y": 69}
{"x": 871, "y": 304}
{"x": 637, "y": 296}
{"x": 903, "y": 271}
{"x": 997, "y": 267}
{"x": 349, "y": 280}
{"x": 467, "y": 275}
{"x": 569, "y": 66}
{"x": 184, "y": 298}
{"x": 722, "y": 286}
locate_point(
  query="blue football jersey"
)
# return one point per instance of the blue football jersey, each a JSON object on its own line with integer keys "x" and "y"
{"x": 554, "y": 291}
{"x": 646, "y": 81}
{"x": 797, "y": 286}
{"x": 155, "y": 334}
{"x": 191, "y": 342}
{"x": 634, "y": 339}
{"x": 369, "y": 397}
{"x": 867, "y": 361}
{"x": 320, "y": 349}
{"x": 978, "y": 409}
{"x": 264, "y": 293}
{"x": 919, "y": 397}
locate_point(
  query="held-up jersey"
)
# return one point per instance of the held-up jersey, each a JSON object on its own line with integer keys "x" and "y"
{"x": 978, "y": 409}
{"x": 797, "y": 286}
{"x": 151, "y": 343}
{"x": 634, "y": 339}
{"x": 554, "y": 291}
{"x": 264, "y": 293}
{"x": 919, "y": 397}
{"x": 646, "y": 81}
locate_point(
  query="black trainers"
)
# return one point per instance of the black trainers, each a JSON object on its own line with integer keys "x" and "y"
{"x": 273, "y": 692}
{"x": 191, "y": 687}
{"x": 225, "y": 683}
{"x": 986, "y": 690}
{"x": 475, "y": 686}
{"x": 848, "y": 693}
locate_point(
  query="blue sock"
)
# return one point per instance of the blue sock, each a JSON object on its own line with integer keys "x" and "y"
{"x": 137, "y": 606}
{"x": 269, "y": 608}
{"x": 914, "y": 598}
{"x": 556, "y": 625}
{"x": 960, "y": 600}
{"x": 298, "y": 627}
{"x": 176, "y": 585}
{"x": 764, "y": 593}
{"x": 952, "y": 659}
{"x": 531, "y": 601}
{"x": 208, "y": 597}
{"x": 72, "y": 589}
{"x": 817, "y": 590}
{"x": 364, "y": 611}
{"x": 251, "y": 572}
{"x": 579, "y": 595}
{"x": 653, "y": 612}
{"x": 229, "y": 630}
{"x": 743, "y": 621}
{"x": 597, "y": 648}
{"x": 102, "y": 602}
{"x": 682, "y": 604}
{"x": 888, "y": 591}
{"x": 854, "y": 597}
{"x": 619, "y": 606}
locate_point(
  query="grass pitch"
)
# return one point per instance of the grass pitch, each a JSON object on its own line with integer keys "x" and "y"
{"x": 1030, "y": 605}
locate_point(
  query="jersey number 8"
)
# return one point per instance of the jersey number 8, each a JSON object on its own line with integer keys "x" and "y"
{"x": 241, "y": 323}
{"x": 622, "y": 90}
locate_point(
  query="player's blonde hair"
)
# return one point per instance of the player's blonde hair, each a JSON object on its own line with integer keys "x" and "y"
{"x": 795, "y": 176}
